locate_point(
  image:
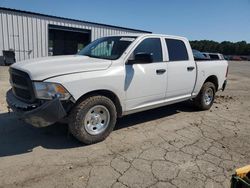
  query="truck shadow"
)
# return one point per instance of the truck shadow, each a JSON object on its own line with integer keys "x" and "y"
{"x": 153, "y": 114}
{"x": 17, "y": 137}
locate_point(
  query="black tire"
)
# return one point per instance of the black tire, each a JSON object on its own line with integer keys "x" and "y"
{"x": 199, "y": 101}
{"x": 77, "y": 117}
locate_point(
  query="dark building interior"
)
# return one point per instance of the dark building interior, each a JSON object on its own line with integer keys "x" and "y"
{"x": 67, "y": 41}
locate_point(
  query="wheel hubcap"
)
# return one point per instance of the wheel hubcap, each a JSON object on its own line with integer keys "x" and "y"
{"x": 97, "y": 120}
{"x": 208, "y": 96}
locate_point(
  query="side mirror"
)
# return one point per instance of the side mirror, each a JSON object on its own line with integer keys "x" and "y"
{"x": 141, "y": 58}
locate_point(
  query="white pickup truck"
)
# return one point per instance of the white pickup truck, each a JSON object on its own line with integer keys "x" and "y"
{"x": 112, "y": 77}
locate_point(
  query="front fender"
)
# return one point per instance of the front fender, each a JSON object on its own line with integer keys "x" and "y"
{"x": 82, "y": 83}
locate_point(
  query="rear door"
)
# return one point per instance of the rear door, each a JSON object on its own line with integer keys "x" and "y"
{"x": 181, "y": 69}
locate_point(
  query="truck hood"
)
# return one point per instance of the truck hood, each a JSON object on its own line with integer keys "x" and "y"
{"x": 44, "y": 68}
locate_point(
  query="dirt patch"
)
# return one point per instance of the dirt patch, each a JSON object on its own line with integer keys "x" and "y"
{"x": 224, "y": 99}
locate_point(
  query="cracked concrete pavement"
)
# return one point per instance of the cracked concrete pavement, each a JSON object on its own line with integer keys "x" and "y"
{"x": 173, "y": 146}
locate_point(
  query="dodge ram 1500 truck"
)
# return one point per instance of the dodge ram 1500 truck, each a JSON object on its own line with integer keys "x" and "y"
{"x": 112, "y": 77}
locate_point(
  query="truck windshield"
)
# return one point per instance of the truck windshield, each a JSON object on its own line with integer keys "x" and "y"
{"x": 107, "y": 47}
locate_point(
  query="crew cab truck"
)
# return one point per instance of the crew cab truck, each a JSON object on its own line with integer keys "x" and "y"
{"x": 112, "y": 77}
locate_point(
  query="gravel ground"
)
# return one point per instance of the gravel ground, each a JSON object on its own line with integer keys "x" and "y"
{"x": 173, "y": 146}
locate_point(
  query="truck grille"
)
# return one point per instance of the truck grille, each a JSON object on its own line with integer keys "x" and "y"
{"x": 21, "y": 85}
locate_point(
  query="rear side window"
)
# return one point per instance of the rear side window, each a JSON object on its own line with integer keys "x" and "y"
{"x": 151, "y": 46}
{"x": 213, "y": 56}
{"x": 177, "y": 50}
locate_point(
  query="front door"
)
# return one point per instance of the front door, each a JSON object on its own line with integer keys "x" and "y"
{"x": 146, "y": 83}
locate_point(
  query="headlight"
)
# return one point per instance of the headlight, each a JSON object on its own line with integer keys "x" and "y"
{"x": 46, "y": 90}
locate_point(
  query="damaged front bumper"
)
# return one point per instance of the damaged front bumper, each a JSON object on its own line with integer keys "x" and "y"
{"x": 38, "y": 115}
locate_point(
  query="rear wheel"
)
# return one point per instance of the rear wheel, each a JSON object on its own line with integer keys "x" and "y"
{"x": 205, "y": 98}
{"x": 93, "y": 119}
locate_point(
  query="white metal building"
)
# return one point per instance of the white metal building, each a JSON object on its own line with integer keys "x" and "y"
{"x": 31, "y": 35}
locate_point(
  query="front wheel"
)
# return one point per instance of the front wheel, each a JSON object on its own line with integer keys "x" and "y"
{"x": 204, "y": 100}
{"x": 93, "y": 119}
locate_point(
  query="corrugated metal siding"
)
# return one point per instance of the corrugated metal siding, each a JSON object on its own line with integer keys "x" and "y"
{"x": 27, "y": 34}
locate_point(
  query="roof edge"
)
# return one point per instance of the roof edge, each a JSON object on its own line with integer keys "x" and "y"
{"x": 71, "y": 19}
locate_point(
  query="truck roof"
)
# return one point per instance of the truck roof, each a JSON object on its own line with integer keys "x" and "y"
{"x": 152, "y": 35}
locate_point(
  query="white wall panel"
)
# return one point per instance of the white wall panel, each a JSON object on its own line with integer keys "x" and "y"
{"x": 34, "y": 37}
{"x": 30, "y": 38}
{"x": 10, "y": 33}
{"x": 1, "y": 35}
{"x": 25, "y": 37}
{"x": 15, "y": 36}
{"x": 6, "y": 37}
{"x": 43, "y": 38}
{"x": 39, "y": 37}
{"x": 20, "y": 37}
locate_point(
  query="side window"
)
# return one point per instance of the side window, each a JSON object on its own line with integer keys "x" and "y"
{"x": 177, "y": 50}
{"x": 213, "y": 56}
{"x": 151, "y": 46}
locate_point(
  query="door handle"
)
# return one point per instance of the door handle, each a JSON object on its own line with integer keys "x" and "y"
{"x": 190, "y": 68}
{"x": 160, "y": 71}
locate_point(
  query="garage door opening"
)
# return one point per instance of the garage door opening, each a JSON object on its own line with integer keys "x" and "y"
{"x": 66, "y": 40}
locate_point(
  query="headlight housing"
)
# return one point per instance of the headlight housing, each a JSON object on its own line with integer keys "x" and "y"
{"x": 47, "y": 90}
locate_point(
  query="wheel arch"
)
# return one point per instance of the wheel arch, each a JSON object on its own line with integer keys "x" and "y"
{"x": 107, "y": 93}
{"x": 213, "y": 79}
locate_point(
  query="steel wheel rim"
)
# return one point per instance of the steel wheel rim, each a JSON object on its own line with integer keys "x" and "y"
{"x": 97, "y": 120}
{"x": 208, "y": 96}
